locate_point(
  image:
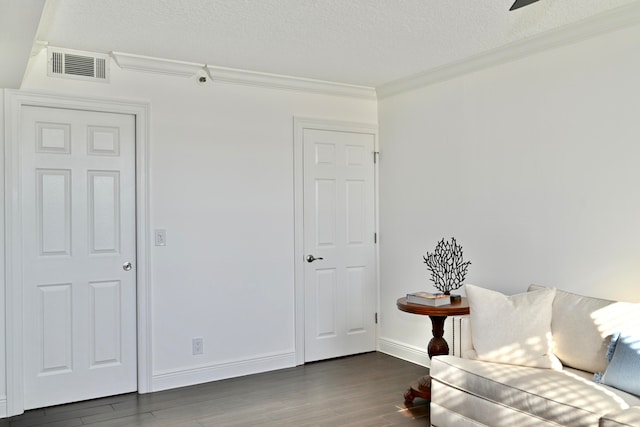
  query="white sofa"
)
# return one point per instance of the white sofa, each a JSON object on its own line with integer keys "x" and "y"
{"x": 467, "y": 392}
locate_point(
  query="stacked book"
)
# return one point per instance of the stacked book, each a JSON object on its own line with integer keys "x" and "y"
{"x": 428, "y": 298}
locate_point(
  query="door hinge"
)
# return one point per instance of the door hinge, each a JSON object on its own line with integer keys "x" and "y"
{"x": 376, "y": 154}
{"x": 376, "y": 318}
{"x": 375, "y": 238}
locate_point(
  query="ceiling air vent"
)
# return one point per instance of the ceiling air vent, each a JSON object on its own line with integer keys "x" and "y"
{"x": 75, "y": 64}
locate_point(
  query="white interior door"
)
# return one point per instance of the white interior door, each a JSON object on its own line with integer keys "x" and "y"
{"x": 78, "y": 227}
{"x": 339, "y": 206}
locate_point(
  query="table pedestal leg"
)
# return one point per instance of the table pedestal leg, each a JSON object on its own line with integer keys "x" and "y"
{"x": 437, "y": 346}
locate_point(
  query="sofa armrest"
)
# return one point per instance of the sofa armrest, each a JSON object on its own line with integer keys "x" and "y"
{"x": 623, "y": 417}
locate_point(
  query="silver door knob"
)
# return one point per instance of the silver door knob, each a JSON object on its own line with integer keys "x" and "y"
{"x": 311, "y": 258}
{"x": 127, "y": 266}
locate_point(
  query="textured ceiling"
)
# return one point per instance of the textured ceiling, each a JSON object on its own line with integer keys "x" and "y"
{"x": 362, "y": 42}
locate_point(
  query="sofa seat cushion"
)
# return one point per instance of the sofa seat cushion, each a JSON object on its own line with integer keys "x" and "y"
{"x": 625, "y": 417}
{"x": 458, "y": 408}
{"x": 566, "y": 397}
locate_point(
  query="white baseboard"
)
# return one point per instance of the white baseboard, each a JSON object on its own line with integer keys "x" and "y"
{"x": 3, "y": 407}
{"x": 206, "y": 373}
{"x": 404, "y": 351}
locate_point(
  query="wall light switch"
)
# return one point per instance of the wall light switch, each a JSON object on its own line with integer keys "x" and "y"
{"x": 161, "y": 237}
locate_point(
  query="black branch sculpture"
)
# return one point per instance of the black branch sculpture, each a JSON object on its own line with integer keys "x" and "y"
{"x": 448, "y": 268}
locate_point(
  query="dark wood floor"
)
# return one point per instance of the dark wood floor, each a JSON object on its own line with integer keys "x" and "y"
{"x": 362, "y": 390}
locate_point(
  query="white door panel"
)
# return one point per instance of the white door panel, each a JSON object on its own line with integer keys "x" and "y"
{"x": 339, "y": 227}
{"x": 78, "y": 206}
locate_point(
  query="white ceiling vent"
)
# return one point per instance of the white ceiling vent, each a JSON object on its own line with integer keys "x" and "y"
{"x": 75, "y": 64}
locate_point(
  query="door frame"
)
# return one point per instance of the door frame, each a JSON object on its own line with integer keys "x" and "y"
{"x": 14, "y": 101}
{"x": 299, "y": 125}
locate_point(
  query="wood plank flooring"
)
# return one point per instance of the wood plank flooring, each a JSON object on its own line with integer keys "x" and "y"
{"x": 361, "y": 390}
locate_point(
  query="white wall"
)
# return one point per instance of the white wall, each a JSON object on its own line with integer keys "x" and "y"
{"x": 221, "y": 178}
{"x": 533, "y": 167}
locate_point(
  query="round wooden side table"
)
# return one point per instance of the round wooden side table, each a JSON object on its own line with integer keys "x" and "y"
{"x": 437, "y": 345}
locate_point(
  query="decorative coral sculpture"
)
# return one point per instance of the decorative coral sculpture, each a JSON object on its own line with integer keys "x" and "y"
{"x": 446, "y": 265}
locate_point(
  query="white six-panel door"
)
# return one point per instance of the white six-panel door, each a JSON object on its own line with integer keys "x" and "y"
{"x": 78, "y": 220}
{"x": 339, "y": 206}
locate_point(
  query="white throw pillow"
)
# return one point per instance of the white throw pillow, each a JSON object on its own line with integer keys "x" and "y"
{"x": 582, "y": 327}
{"x": 512, "y": 329}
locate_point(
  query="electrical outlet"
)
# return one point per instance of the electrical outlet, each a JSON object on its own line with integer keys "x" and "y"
{"x": 161, "y": 237}
{"x": 197, "y": 346}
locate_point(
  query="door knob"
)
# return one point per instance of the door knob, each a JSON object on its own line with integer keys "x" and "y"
{"x": 311, "y": 258}
{"x": 127, "y": 266}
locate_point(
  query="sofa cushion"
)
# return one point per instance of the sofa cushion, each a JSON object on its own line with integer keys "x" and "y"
{"x": 457, "y": 408}
{"x": 624, "y": 417}
{"x": 567, "y": 397}
{"x": 623, "y": 371}
{"x": 512, "y": 329}
{"x": 582, "y": 328}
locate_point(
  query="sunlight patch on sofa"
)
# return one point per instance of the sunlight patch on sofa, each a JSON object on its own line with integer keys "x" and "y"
{"x": 594, "y": 386}
{"x": 549, "y": 395}
{"x": 529, "y": 351}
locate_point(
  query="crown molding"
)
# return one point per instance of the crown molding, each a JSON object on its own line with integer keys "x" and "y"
{"x": 602, "y": 23}
{"x": 148, "y": 64}
{"x": 128, "y": 61}
{"x": 38, "y": 46}
{"x": 278, "y": 81}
